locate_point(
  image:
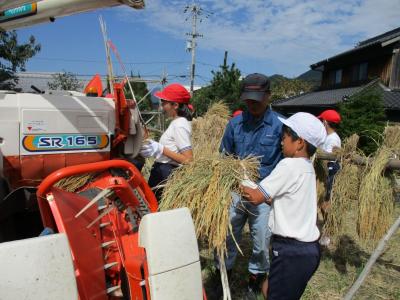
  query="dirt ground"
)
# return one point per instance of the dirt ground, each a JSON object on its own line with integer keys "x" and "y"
{"x": 339, "y": 268}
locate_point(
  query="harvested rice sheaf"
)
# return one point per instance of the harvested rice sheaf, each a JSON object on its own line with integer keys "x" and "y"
{"x": 205, "y": 186}
{"x": 376, "y": 192}
{"x": 74, "y": 183}
{"x": 345, "y": 188}
{"x": 375, "y": 199}
{"x": 207, "y": 131}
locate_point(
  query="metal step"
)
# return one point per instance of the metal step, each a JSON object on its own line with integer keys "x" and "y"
{"x": 106, "y": 244}
{"x": 107, "y": 266}
{"x": 102, "y": 194}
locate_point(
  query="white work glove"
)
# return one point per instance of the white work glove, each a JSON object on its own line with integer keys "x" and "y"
{"x": 152, "y": 149}
{"x": 248, "y": 183}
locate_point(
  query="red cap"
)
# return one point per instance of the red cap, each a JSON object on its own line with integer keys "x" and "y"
{"x": 174, "y": 93}
{"x": 191, "y": 107}
{"x": 330, "y": 115}
{"x": 237, "y": 113}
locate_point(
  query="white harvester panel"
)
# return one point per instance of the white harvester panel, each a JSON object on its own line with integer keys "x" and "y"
{"x": 172, "y": 255}
{"x": 49, "y": 124}
{"x": 37, "y": 268}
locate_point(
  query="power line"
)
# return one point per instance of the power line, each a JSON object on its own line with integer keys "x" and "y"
{"x": 102, "y": 61}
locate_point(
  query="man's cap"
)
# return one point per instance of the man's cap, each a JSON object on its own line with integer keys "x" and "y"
{"x": 174, "y": 93}
{"x": 254, "y": 87}
{"x": 306, "y": 126}
{"x": 330, "y": 115}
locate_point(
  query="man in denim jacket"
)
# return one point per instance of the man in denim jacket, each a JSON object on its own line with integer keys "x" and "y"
{"x": 256, "y": 132}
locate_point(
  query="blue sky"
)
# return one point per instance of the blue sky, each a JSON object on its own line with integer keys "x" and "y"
{"x": 266, "y": 36}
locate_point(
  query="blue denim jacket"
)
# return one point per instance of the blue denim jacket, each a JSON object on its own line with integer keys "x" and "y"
{"x": 244, "y": 136}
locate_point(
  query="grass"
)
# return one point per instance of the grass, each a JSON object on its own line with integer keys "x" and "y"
{"x": 339, "y": 268}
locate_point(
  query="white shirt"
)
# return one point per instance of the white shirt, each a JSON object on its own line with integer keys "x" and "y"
{"x": 176, "y": 138}
{"x": 293, "y": 189}
{"x": 331, "y": 141}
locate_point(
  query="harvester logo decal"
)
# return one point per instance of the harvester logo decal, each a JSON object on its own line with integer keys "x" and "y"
{"x": 18, "y": 12}
{"x": 64, "y": 142}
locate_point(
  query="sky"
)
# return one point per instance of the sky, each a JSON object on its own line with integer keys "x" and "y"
{"x": 267, "y": 36}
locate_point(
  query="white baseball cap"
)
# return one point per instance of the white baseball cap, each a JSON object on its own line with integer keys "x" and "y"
{"x": 307, "y": 127}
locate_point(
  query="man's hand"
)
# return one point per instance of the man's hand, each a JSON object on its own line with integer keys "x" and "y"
{"x": 255, "y": 196}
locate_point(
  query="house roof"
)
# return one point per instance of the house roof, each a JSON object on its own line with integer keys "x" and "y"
{"x": 329, "y": 98}
{"x": 382, "y": 39}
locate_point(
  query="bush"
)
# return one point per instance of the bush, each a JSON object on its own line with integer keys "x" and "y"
{"x": 364, "y": 114}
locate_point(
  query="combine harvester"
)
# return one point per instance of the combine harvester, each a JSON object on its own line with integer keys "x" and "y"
{"x": 103, "y": 240}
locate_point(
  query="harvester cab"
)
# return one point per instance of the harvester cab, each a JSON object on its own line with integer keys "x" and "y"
{"x": 77, "y": 219}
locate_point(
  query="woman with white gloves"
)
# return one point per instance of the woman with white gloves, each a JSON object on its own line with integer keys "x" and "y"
{"x": 174, "y": 147}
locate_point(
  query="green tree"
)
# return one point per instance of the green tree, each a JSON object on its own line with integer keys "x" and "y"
{"x": 13, "y": 57}
{"x": 225, "y": 86}
{"x": 140, "y": 90}
{"x": 282, "y": 87}
{"x": 364, "y": 114}
{"x": 65, "y": 81}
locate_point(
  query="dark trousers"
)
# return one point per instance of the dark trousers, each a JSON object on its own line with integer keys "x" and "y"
{"x": 158, "y": 176}
{"x": 333, "y": 168}
{"x": 293, "y": 264}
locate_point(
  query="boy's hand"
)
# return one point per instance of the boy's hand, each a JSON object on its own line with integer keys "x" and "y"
{"x": 253, "y": 195}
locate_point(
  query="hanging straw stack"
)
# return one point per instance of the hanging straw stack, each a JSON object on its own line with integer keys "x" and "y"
{"x": 376, "y": 203}
{"x": 345, "y": 188}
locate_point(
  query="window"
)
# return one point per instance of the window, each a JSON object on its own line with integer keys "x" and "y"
{"x": 363, "y": 71}
{"x": 338, "y": 76}
{"x": 335, "y": 77}
{"x": 359, "y": 72}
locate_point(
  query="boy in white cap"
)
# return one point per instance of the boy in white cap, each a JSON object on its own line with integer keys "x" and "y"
{"x": 290, "y": 189}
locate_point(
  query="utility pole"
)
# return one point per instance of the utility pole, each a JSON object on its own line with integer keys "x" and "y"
{"x": 196, "y": 13}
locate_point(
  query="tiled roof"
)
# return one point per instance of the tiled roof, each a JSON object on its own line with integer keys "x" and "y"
{"x": 387, "y": 36}
{"x": 391, "y": 99}
{"x": 327, "y": 97}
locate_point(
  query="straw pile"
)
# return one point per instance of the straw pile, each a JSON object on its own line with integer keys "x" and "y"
{"x": 345, "y": 188}
{"x": 207, "y": 131}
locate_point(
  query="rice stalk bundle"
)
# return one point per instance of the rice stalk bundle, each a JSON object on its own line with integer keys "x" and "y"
{"x": 392, "y": 138}
{"x": 345, "y": 188}
{"x": 219, "y": 109}
{"x": 205, "y": 186}
{"x": 207, "y": 131}
{"x": 375, "y": 199}
{"x": 74, "y": 183}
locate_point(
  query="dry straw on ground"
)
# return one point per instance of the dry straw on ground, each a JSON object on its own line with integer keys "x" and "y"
{"x": 345, "y": 188}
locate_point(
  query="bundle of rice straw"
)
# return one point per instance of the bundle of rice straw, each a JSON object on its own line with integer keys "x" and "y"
{"x": 392, "y": 139}
{"x": 375, "y": 199}
{"x": 205, "y": 187}
{"x": 74, "y": 183}
{"x": 376, "y": 193}
{"x": 345, "y": 188}
{"x": 207, "y": 131}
